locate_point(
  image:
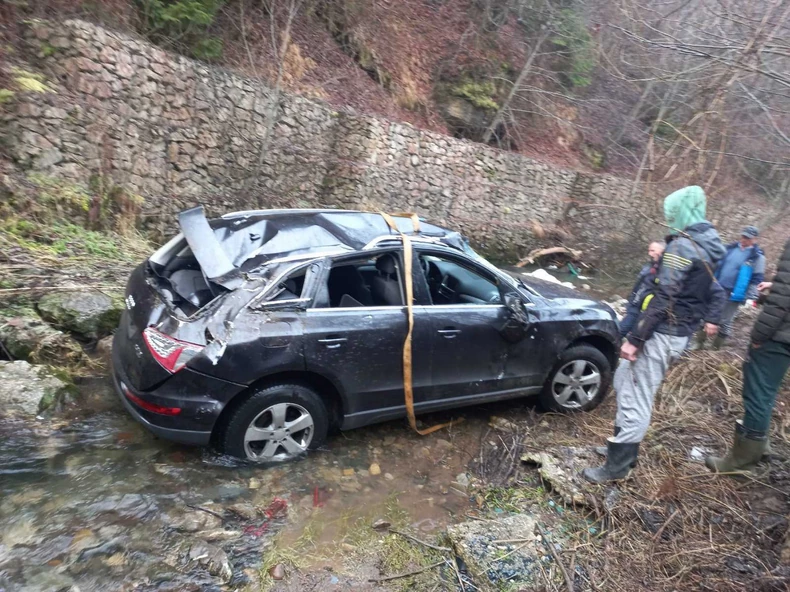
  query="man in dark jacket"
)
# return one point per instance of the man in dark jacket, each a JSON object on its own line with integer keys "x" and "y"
{"x": 645, "y": 284}
{"x": 739, "y": 272}
{"x": 763, "y": 372}
{"x": 686, "y": 293}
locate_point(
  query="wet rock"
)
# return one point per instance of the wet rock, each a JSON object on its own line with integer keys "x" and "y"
{"x": 497, "y": 552}
{"x": 27, "y": 337}
{"x": 389, "y": 476}
{"x": 103, "y": 350}
{"x": 27, "y": 390}
{"x": 277, "y": 572}
{"x": 244, "y": 510}
{"x": 196, "y": 521}
{"x": 220, "y": 534}
{"x": 83, "y": 539}
{"x": 89, "y": 314}
{"x": 374, "y": 469}
{"x": 443, "y": 445}
{"x": 561, "y": 467}
{"x": 502, "y": 424}
{"x": 348, "y": 472}
{"x": 463, "y": 480}
{"x": 381, "y": 524}
{"x": 254, "y": 483}
{"x": 213, "y": 559}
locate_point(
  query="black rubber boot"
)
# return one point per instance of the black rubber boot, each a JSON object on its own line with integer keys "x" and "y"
{"x": 619, "y": 460}
{"x": 602, "y": 450}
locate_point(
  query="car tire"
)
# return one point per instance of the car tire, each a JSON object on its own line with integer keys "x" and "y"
{"x": 572, "y": 375}
{"x": 276, "y": 423}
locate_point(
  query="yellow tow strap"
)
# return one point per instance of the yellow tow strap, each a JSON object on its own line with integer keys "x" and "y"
{"x": 408, "y": 387}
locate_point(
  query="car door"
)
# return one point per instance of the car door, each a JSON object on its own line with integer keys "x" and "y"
{"x": 360, "y": 346}
{"x": 471, "y": 354}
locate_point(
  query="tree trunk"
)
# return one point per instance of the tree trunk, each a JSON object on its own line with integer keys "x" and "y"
{"x": 514, "y": 90}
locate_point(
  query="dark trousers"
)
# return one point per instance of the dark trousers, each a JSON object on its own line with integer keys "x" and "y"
{"x": 763, "y": 372}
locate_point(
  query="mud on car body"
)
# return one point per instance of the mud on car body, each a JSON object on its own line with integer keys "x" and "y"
{"x": 260, "y": 331}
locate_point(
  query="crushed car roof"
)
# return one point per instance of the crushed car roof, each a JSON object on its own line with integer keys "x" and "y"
{"x": 243, "y": 241}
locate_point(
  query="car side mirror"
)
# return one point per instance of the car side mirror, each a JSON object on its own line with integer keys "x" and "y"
{"x": 515, "y": 306}
{"x": 515, "y": 329}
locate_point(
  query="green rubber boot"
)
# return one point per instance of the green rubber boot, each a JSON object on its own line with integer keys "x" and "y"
{"x": 742, "y": 457}
{"x": 698, "y": 343}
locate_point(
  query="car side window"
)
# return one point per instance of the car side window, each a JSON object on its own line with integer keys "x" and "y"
{"x": 368, "y": 281}
{"x": 452, "y": 282}
{"x": 291, "y": 287}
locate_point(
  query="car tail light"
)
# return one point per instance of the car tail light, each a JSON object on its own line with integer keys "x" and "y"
{"x": 171, "y": 353}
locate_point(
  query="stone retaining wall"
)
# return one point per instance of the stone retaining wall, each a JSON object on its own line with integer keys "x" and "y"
{"x": 180, "y": 132}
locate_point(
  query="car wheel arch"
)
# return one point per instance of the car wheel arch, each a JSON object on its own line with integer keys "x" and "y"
{"x": 601, "y": 343}
{"x": 322, "y": 385}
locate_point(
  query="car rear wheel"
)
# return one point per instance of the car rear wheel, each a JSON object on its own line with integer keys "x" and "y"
{"x": 578, "y": 381}
{"x": 277, "y": 423}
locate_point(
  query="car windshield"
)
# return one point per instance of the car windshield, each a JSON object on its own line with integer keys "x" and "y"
{"x": 487, "y": 264}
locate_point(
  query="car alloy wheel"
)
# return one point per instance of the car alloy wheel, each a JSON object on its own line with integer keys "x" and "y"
{"x": 279, "y": 432}
{"x": 576, "y": 384}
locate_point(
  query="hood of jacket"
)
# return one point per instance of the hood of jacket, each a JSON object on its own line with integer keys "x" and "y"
{"x": 707, "y": 238}
{"x": 685, "y": 207}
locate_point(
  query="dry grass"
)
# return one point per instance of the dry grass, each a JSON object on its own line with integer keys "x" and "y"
{"x": 673, "y": 525}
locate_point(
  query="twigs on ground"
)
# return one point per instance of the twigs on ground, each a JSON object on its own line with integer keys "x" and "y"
{"x": 420, "y": 541}
{"x": 408, "y": 573}
{"x": 557, "y": 560}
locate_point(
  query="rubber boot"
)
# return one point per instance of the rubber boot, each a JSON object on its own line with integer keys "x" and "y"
{"x": 698, "y": 343}
{"x": 718, "y": 341}
{"x": 747, "y": 450}
{"x": 603, "y": 450}
{"x": 619, "y": 460}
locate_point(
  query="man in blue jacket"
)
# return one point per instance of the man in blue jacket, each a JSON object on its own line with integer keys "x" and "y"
{"x": 645, "y": 284}
{"x": 739, "y": 273}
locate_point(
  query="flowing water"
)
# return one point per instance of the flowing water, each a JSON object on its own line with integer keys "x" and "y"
{"x": 98, "y": 504}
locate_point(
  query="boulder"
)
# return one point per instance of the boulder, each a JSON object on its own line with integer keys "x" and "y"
{"x": 213, "y": 559}
{"x": 89, "y": 314}
{"x": 561, "y": 467}
{"x": 27, "y": 390}
{"x": 27, "y": 337}
{"x": 504, "y": 552}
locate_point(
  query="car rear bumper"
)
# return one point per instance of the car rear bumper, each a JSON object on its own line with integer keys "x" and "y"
{"x": 201, "y": 399}
{"x": 193, "y": 438}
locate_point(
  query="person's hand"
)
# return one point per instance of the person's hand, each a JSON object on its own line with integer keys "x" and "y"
{"x": 628, "y": 351}
{"x": 764, "y": 286}
{"x": 711, "y": 329}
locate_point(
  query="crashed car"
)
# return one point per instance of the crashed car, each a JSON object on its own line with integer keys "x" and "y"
{"x": 261, "y": 331}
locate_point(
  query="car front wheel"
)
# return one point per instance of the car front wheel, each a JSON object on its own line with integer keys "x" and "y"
{"x": 277, "y": 423}
{"x": 578, "y": 381}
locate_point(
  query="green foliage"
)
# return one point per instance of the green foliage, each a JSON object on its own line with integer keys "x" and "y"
{"x": 182, "y": 25}
{"x": 480, "y": 94}
{"x": 574, "y": 42}
{"x": 6, "y": 95}
{"x": 595, "y": 155}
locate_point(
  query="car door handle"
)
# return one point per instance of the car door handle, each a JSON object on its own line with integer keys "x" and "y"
{"x": 333, "y": 342}
{"x": 449, "y": 332}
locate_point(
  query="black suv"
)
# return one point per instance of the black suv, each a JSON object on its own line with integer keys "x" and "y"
{"x": 259, "y": 331}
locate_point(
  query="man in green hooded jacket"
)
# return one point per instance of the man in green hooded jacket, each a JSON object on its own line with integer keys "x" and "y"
{"x": 686, "y": 293}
